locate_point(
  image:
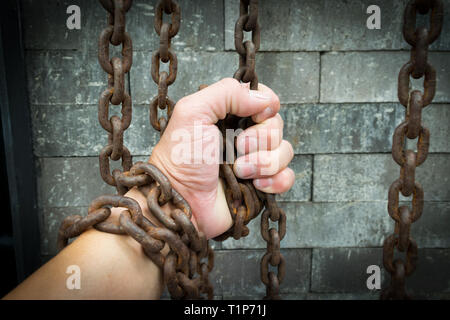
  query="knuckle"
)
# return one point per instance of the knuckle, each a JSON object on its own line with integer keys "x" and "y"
{"x": 183, "y": 102}
{"x": 267, "y": 164}
{"x": 229, "y": 82}
{"x": 290, "y": 149}
{"x": 181, "y": 106}
{"x": 280, "y": 121}
{"x": 276, "y": 101}
{"x": 290, "y": 176}
{"x": 287, "y": 179}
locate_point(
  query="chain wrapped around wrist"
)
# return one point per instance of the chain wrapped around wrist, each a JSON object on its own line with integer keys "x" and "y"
{"x": 190, "y": 259}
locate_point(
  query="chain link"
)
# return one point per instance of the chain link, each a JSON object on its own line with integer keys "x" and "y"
{"x": 412, "y": 128}
{"x": 164, "y": 54}
{"x": 116, "y": 68}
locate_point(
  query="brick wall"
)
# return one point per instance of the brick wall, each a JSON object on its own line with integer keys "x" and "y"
{"x": 337, "y": 84}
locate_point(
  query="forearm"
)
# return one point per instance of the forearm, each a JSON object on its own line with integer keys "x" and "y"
{"x": 112, "y": 267}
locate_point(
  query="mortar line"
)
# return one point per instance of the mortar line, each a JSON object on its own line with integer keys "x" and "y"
{"x": 319, "y": 98}
{"x": 223, "y": 27}
{"x": 312, "y": 178}
{"x": 310, "y": 272}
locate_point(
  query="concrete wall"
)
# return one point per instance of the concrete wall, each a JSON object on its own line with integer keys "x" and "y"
{"x": 337, "y": 82}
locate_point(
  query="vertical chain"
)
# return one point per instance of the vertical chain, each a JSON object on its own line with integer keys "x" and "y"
{"x": 273, "y": 256}
{"x": 201, "y": 259}
{"x": 248, "y": 22}
{"x": 408, "y": 160}
{"x": 166, "y": 31}
{"x": 115, "y": 94}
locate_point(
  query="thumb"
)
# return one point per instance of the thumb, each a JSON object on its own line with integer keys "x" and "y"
{"x": 229, "y": 96}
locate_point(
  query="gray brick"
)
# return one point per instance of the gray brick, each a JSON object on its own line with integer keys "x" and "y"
{"x": 45, "y": 25}
{"x": 74, "y": 130}
{"x": 431, "y": 275}
{"x": 64, "y": 77}
{"x": 429, "y": 231}
{"x": 314, "y": 225}
{"x": 372, "y": 76}
{"x": 57, "y": 177}
{"x": 195, "y": 68}
{"x": 301, "y": 190}
{"x": 334, "y": 128}
{"x": 349, "y": 224}
{"x": 360, "y": 177}
{"x": 294, "y": 76}
{"x": 344, "y": 270}
{"x": 70, "y": 182}
{"x": 323, "y": 25}
{"x": 237, "y": 273}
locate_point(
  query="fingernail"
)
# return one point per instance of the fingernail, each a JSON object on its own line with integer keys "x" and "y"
{"x": 263, "y": 183}
{"x": 250, "y": 141}
{"x": 245, "y": 170}
{"x": 259, "y": 95}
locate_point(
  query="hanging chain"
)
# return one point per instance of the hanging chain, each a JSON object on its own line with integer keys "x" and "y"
{"x": 201, "y": 261}
{"x": 244, "y": 201}
{"x": 190, "y": 259}
{"x": 165, "y": 54}
{"x": 116, "y": 68}
{"x": 414, "y": 101}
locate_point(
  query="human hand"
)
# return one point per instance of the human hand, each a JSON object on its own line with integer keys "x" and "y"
{"x": 188, "y": 152}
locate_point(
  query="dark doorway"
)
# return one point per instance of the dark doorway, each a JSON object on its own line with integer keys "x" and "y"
{"x": 19, "y": 228}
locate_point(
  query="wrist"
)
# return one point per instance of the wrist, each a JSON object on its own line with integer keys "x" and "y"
{"x": 218, "y": 221}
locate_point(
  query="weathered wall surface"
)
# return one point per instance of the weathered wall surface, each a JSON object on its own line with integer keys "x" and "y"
{"x": 337, "y": 82}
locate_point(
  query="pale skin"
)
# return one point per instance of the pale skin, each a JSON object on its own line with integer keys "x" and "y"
{"x": 115, "y": 267}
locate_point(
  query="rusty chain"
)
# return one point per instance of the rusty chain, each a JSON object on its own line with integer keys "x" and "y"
{"x": 166, "y": 31}
{"x": 414, "y": 101}
{"x": 244, "y": 201}
{"x": 115, "y": 94}
{"x": 190, "y": 259}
